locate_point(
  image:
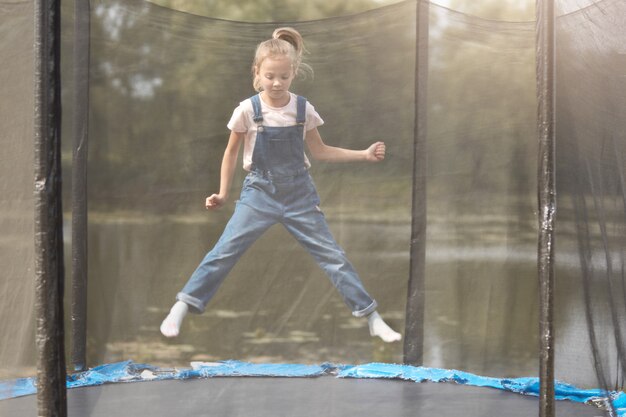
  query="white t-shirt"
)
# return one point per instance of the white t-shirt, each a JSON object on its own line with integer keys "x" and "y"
{"x": 242, "y": 120}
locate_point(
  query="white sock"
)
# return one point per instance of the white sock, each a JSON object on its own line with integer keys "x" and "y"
{"x": 171, "y": 325}
{"x": 379, "y": 328}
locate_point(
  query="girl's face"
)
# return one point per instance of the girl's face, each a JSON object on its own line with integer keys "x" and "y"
{"x": 275, "y": 76}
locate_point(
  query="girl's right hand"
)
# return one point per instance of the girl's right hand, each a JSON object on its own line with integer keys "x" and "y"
{"x": 215, "y": 201}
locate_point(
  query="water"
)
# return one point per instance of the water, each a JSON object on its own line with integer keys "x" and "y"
{"x": 277, "y": 306}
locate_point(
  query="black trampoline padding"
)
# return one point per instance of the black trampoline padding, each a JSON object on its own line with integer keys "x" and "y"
{"x": 294, "y": 397}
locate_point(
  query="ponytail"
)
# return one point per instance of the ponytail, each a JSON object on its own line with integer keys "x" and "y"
{"x": 293, "y": 37}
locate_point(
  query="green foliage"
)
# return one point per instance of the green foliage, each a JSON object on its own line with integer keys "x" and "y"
{"x": 271, "y": 10}
{"x": 499, "y": 10}
{"x": 482, "y": 107}
{"x": 164, "y": 83}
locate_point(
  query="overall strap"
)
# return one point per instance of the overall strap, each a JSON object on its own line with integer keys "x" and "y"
{"x": 256, "y": 106}
{"x": 301, "y": 115}
{"x": 258, "y": 115}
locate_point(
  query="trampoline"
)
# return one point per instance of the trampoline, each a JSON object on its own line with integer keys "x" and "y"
{"x": 239, "y": 388}
{"x": 444, "y": 233}
{"x": 325, "y": 396}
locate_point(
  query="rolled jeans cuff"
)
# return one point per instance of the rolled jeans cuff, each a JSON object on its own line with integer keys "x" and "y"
{"x": 366, "y": 311}
{"x": 195, "y": 305}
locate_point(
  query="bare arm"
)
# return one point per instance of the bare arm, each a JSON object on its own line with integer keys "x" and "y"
{"x": 322, "y": 152}
{"x": 227, "y": 171}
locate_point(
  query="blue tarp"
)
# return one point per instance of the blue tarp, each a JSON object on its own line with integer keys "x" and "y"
{"x": 128, "y": 371}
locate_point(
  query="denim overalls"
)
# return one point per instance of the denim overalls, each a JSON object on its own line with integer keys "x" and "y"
{"x": 278, "y": 189}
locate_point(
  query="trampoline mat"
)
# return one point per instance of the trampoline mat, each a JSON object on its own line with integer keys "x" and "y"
{"x": 295, "y": 397}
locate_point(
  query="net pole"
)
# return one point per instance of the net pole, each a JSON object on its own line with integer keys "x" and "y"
{"x": 79, "y": 183}
{"x": 545, "y": 56}
{"x": 414, "y": 328}
{"x": 49, "y": 269}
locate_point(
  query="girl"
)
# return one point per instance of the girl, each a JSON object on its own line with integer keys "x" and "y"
{"x": 273, "y": 126}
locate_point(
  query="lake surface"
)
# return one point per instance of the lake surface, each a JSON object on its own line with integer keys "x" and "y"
{"x": 278, "y": 306}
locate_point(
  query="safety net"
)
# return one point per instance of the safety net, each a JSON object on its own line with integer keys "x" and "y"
{"x": 162, "y": 86}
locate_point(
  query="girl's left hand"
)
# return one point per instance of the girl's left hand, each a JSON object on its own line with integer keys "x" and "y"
{"x": 376, "y": 152}
{"x": 215, "y": 201}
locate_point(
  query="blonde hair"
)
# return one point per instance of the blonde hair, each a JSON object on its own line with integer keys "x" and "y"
{"x": 287, "y": 42}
